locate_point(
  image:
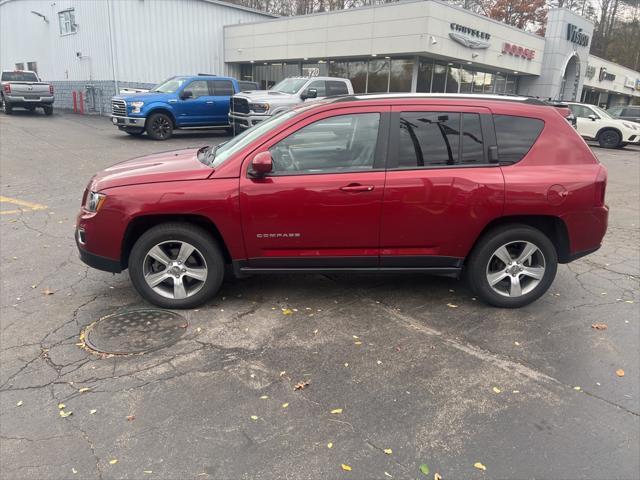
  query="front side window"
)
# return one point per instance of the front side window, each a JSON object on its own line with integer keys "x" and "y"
{"x": 428, "y": 139}
{"x": 320, "y": 87}
{"x": 199, "y": 88}
{"x": 344, "y": 143}
{"x": 580, "y": 111}
{"x": 516, "y": 135}
{"x": 67, "y": 22}
{"x": 222, "y": 88}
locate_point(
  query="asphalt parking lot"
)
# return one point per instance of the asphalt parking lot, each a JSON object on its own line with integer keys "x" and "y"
{"x": 415, "y": 370}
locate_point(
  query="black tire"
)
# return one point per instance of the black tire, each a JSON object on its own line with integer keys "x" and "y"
{"x": 6, "y": 108}
{"x": 48, "y": 110}
{"x": 135, "y": 133}
{"x": 178, "y": 232}
{"x": 159, "y": 126}
{"x": 478, "y": 265}
{"x": 609, "y": 138}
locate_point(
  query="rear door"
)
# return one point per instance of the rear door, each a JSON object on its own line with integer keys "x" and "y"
{"x": 320, "y": 207}
{"x": 441, "y": 190}
{"x": 222, "y": 91}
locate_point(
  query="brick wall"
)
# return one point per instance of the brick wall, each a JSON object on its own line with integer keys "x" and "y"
{"x": 96, "y": 95}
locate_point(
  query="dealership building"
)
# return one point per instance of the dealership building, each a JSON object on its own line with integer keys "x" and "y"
{"x": 101, "y": 46}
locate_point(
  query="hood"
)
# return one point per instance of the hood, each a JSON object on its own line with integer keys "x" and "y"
{"x": 146, "y": 97}
{"x": 268, "y": 96}
{"x": 160, "y": 167}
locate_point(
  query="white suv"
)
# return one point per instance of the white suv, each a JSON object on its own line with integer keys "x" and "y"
{"x": 593, "y": 123}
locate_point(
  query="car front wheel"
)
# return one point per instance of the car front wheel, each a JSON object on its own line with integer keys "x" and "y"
{"x": 512, "y": 266}
{"x": 176, "y": 265}
{"x": 159, "y": 126}
{"x": 609, "y": 139}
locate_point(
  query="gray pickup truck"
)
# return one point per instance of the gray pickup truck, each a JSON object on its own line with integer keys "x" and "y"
{"x": 248, "y": 108}
{"x": 23, "y": 88}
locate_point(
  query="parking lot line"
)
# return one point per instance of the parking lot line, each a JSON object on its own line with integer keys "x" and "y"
{"x": 20, "y": 203}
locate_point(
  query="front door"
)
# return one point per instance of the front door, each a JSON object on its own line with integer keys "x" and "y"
{"x": 320, "y": 207}
{"x": 440, "y": 189}
{"x": 198, "y": 109}
{"x": 588, "y": 123}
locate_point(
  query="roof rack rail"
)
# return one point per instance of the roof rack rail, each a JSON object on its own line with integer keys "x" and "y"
{"x": 207, "y": 75}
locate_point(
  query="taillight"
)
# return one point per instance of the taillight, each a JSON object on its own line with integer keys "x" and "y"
{"x": 600, "y": 187}
{"x": 50, "y": 89}
{"x": 7, "y": 88}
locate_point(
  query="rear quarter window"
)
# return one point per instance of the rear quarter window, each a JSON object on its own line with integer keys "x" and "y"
{"x": 516, "y": 136}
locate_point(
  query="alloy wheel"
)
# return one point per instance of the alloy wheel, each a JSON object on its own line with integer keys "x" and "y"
{"x": 175, "y": 269}
{"x": 161, "y": 126}
{"x": 609, "y": 138}
{"x": 515, "y": 269}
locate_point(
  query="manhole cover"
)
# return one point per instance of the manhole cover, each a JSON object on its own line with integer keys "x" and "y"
{"x": 136, "y": 331}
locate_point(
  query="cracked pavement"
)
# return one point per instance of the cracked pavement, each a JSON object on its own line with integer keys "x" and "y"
{"x": 419, "y": 378}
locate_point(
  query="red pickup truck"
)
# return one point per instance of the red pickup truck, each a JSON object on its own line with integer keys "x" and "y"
{"x": 497, "y": 189}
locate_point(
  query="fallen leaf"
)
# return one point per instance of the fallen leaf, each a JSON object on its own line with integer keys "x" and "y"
{"x": 147, "y": 471}
{"x": 379, "y": 362}
{"x": 480, "y": 466}
{"x": 346, "y": 364}
{"x": 302, "y": 385}
{"x": 388, "y": 451}
{"x": 451, "y": 305}
{"x": 85, "y": 389}
{"x": 254, "y": 417}
{"x": 287, "y": 311}
{"x": 329, "y": 445}
{"x": 576, "y": 388}
{"x": 131, "y": 418}
{"x": 46, "y": 291}
{"x": 336, "y": 410}
{"x": 357, "y": 343}
{"x": 620, "y": 372}
{"x": 73, "y": 470}
{"x": 437, "y": 476}
{"x": 285, "y": 405}
{"x": 264, "y": 397}
{"x": 64, "y": 414}
{"x": 315, "y": 331}
{"x": 346, "y": 467}
{"x": 496, "y": 390}
{"x": 183, "y": 325}
{"x": 517, "y": 344}
{"x": 113, "y": 461}
{"x": 282, "y": 373}
{"x": 388, "y": 474}
{"x": 91, "y": 412}
{"x": 424, "y": 468}
{"x": 599, "y": 326}
{"x": 355, "y": 336}
{"x": 61, "y": 406}
{"x": 19, "y": 404}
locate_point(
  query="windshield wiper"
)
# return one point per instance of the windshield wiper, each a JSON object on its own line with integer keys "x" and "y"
{"x": 211, "y": 153}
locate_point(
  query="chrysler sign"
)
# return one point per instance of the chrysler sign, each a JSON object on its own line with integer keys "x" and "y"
{"x": 469, "y": 37}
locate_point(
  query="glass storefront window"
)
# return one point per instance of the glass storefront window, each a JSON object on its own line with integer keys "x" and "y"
{"x": 290, "y": 70}
{"x": 246, "y": 71}
{"x": 358, "y": 76}
{"x": 425, "y": 69}
{"x": 339, "y": 69}
{"x": 439, "y": 78}
{"x": 501, "y": 83}
{"x": 466, "y": 80}
{"x": 453, "y": 79}
{"x": 401, "y": 74}
{"x": 489, "y": 79}
{"x": 512, "y": 83}
{"x": 478, "y": 82}
{"x": 378, "y": 76}
{"x": 315, "y": 69}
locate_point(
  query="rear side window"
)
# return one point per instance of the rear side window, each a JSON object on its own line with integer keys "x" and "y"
{"x": 247, "y": 86}
{"x": 222, "y": 88}
{"x": 19, "y": 77}
{"x": 515, "y": 136}
{"x": 335, "y": 87}
{"x": 472, "y": 144}
{"x": 428, "y": 139}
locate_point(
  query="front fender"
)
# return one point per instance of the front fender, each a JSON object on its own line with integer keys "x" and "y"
{"x": 154, "y": 107}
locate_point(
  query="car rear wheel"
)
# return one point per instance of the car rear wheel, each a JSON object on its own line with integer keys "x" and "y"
{"x": 6, "y": 108}
{"x": 176, "y": 265}
{"x": 609, "y": 139}
{"x": 512, "y": 266}
{"x": 159, "y": 126}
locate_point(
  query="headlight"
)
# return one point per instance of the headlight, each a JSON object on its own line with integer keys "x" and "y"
{"x": 259, "y": 107}
{"x": 629, "y": 125}
{"x": 94, "y": 201}
{"x": 136, "y": 106}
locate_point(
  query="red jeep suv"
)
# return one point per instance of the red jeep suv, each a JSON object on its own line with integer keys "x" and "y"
{"x": 500, "y": 189}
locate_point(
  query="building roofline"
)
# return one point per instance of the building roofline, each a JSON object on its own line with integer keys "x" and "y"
{"x": 400, "y": 2}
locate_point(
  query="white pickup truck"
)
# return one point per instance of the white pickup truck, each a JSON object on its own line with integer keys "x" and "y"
{"x": 251, "y": 107}
{"x": 23, "y": 88}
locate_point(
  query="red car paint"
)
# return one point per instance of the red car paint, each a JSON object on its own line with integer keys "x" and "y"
{"x": 376, "y": 218}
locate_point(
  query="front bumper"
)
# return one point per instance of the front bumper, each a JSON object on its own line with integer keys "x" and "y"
{"x": 243, "y": 120}
{"x": 633, "y": 139}
{"x": 119, "y": 121}
{"x": 93, "y": 260}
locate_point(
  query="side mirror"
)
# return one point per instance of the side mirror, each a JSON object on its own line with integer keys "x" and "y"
{"x": 310, "y": 93}
{"x": 186, "y": 94}
{"x": 593, "y": 117}
{"x": 261, "y": 164}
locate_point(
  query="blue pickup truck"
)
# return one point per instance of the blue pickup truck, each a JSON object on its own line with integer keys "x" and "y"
{"x": 198, "y": 101}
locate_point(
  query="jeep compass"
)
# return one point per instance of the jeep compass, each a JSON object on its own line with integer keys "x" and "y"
{"x": 496, "y": 189}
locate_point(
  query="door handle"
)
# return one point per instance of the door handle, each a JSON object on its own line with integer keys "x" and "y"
{"x": 356, "y": 187}
{"x": 210, "y": 101}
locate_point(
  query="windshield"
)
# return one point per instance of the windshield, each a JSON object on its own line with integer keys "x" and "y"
{"x": 601, "y": 112}
{"x": 289, "y": 85}
{"x": 170, "y": 86}
{"x": 19, "y": 77}
{"x": 226, "y": 150}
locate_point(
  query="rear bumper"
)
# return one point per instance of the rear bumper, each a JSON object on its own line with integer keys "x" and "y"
{"x": 586, "y": 231}
{"x": 20, "y": 101}
{"x": 137, "y": 122}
